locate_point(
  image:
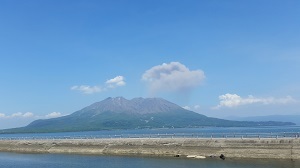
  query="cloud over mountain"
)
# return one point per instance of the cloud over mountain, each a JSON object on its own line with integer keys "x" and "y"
{"x": 87, "y": 89}
{"x": 192, "y": 108}
{"x": 109, "y": 84}
{"x": 115, "y": 82}
{"x": 53, "y": 115}
{"x": 172, "y": 77}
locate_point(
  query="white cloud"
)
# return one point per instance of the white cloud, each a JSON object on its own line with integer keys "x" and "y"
{"x": 28, "y": 114}
{"x": 2, "y": 115}
{"x": 197, "y": 107}
{"x": 187, "y": 107}
{"x": 87, "y": 89}
{"x": 234, "y": 100}
{"x": 110, "y": 84}
{"x": 172, "y": 77}
{"x": 53, "y": 115}
{"x": 194, "y": 108}
{"x": 115, "y": 82}
{"x": 22, "y": 119}
{"x": 19, "y": 114}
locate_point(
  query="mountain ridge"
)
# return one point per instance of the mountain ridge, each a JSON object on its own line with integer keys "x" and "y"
{"x": 135, "y": 105}
{"x": 137, "y": 113}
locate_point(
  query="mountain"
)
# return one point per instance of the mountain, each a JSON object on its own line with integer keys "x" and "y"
{"x": 287, "y": 118}
{"x": 120, "y": 113}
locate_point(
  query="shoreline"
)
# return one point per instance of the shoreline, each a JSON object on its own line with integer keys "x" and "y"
{"x": 284, "y": 148}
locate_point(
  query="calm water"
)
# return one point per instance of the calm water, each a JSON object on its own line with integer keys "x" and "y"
{"x": 205, "y": 131}
{"x": 13, "y": 160}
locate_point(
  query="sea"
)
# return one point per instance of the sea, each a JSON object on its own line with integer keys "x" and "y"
{"x": 20, "y": 160}
{"x": 205, "y": 132}
{"x": 14, "y": 160}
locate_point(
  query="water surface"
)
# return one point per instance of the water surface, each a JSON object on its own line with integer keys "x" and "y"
{"x": 14, "y": 160}
{"x": 202, "y": 132}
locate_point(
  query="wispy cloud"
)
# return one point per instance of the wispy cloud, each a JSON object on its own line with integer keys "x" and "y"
{"x": 172, "y": 77}
{"x": 192, "y": 108}
{"x": 19, "y": 114}
{"x": 30, "y": 115}
{"x": 87, "y": 89}
{"x": 234, "y": 100}
{"x": 109, "y": 84}
{"x": 2, "y": 115}
{"x": 187, "y": 107}
{"x": 53, "y": 115}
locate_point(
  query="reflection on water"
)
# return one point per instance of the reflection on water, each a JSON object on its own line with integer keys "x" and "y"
{"x": 8, "y": 160}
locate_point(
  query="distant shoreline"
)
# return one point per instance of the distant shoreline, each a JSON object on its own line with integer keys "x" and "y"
{"x": 283, "y": 148}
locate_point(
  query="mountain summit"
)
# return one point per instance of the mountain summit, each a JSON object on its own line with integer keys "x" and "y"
{"x": 134, "y": 106}
{"x": 120, "y": 113}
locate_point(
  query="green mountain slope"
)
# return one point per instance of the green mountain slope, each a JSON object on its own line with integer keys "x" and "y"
{"x": 120, "y": 113}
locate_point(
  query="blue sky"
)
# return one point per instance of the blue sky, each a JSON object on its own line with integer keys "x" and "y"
{"x": 219, "y": 58}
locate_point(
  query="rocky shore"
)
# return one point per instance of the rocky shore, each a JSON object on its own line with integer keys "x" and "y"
{"x": 178, "y": 147}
